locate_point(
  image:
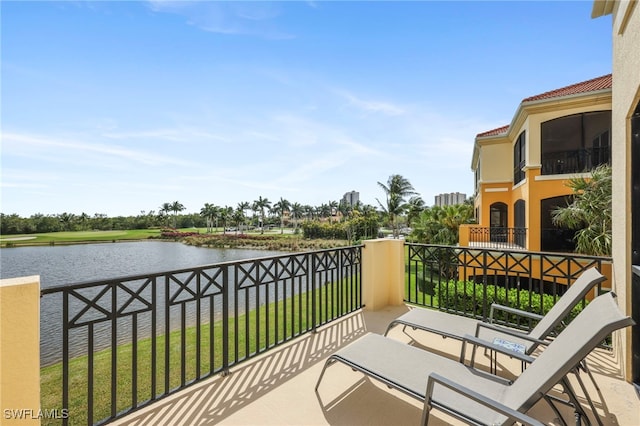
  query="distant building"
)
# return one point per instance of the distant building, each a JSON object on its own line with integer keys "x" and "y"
{"x": 451, "y": 198}
{"x": 351, "y": 198}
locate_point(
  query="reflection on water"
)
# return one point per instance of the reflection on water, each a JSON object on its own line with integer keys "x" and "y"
{"x": 64, "y": 265}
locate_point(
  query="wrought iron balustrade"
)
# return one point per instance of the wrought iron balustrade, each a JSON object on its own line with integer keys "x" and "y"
{"x": 127, "y": 342}
{"x": 465, "y": 280}
{"x": 574, "y": 161}
{"x": 497, "y": 237}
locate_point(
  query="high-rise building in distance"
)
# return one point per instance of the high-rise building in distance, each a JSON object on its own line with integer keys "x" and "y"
{"x": 351, "y": 198}
{"x": 449, "y": 199}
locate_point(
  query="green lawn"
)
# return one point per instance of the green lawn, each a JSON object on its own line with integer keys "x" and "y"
{"x": 296, "y": 310}
{"x": 76, "y": 237}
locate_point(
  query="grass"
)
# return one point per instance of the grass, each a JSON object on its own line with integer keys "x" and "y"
{"x": 297, "y": 310}
{"x": 76, "y": 237}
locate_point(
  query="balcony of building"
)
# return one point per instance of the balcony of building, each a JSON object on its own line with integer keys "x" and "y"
{"x": 484, "y": 237}
{"x": 244, "y": 342}
{"x": 277, "y": 388}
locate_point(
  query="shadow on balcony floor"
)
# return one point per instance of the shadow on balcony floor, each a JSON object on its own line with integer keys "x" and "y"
{"x": 277, "y": 388}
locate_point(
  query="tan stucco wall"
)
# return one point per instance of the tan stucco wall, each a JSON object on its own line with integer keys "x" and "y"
{"x": 626, "y": 93}
{"x": 493, "y": 157}
{"x": 382, "y": 273}
{"x": 20, "y": 351}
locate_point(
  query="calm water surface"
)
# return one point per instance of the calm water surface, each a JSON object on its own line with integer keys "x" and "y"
{"x": 64, "y": 265}
{"x": 61, "y": 265}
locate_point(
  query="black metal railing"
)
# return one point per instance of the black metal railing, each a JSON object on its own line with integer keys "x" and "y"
{"x": 466, "y": 281}
{"x": 575, "y": 161}
{"x": 127, "y": 342}
{"x": 498, "y": 237}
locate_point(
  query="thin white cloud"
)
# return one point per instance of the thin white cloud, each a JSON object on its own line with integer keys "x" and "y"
{"x": 172, "y": 135}
{"x": 64, "y": 147}
{"x": 230, "y": 18}
{"x": 381, "y": 107}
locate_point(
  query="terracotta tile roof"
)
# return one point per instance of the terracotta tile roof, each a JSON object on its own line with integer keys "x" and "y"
{"x": 494, "y": 132}
{"x": 592, "y": 85}
{"x": 598, "y": 83}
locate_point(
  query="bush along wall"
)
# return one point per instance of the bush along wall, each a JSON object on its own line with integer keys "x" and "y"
{"x": 469, "y": 297}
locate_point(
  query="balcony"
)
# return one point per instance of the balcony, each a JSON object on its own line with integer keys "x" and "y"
{"x": 574, "y": 161}
{"x": 493, "y": 237}
{"x": 277, "y": 388}
{"x": 276, "y": 321}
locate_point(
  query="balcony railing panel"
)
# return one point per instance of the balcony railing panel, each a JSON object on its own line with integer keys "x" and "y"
{"x": 575, "y": 161}
{"x": 497, "y": 237}
{"x": 466, "y": 281}
{"x": 127, "y": 342}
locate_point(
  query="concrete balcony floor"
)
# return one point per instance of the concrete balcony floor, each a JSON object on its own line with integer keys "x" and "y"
{"x": 277, "y": 388}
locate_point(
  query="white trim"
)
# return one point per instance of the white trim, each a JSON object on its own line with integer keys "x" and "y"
{"x": 519, "y": 184}
{"x": 563, "y": 177}
{"x": 496, "y": 189}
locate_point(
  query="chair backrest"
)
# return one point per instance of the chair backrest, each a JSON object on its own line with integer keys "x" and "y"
{"x": 597, "y": 321}
{"x": 574, "y": 294}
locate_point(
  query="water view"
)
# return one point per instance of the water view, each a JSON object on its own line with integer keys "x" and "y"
{"x": 65, "y": 265}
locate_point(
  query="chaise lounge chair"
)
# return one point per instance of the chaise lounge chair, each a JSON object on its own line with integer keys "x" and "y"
{"x": 475, "y": 396}
{"x": 456, "y": 326}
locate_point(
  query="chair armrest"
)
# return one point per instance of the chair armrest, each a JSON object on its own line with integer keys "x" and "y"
{"x": 515, "y": 311}
{"x": 512, "y": 414}
{"x": 508, "y": 332}
{"x": 490, "y": 345}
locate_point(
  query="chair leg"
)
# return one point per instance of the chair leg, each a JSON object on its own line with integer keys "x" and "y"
{"x": 587, "y": 397}
{"x": 555, "y": 410}
{"x": 579, "y": 411}
{"x": 326, "y": 364}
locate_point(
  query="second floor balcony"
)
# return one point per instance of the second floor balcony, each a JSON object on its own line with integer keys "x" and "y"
{"x": 244, "y": 342}
{"x": 574, "y": 161}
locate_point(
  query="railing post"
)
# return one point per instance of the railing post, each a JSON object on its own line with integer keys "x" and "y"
{"x": 383, "y": 273}
{"x": 20, "y": 351}
{"x": 464, "y": 235}
{"x": 314, "y": 301}
{"x": 225, "y": 319}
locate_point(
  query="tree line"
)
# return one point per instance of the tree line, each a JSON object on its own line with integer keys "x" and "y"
{"x": 400, "y": 208}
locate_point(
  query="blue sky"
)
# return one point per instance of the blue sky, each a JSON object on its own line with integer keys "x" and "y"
{"x": 118, "y": 107}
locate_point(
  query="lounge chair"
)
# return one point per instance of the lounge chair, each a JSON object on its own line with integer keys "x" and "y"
{"x": 475, "y": 396}
{"x": 456, "y": 326}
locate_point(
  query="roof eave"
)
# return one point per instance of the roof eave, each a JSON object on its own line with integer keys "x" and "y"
{"x": 602, "y": 8}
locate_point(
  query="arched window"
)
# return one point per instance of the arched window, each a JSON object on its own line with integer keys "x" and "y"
{"x": 520, "y": 227}
{"x": 498, "y": 216}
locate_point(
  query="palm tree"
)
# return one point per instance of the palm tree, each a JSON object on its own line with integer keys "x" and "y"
{"x": 244, "y": 206}
{"x": 164, "y": 210}
{"x": 333, "y": 209}
{"x": 590, "y": 212}
{"x": 282, "y": 206}
{"x": 396, "y": 189}
{"x": 416, "y": 206}
{"x": 238, "y": 218}
{"x": 440, "y": 224}
{"x": 324, "y": 210}
{"x": 297, "y": 210}
{"x": 345, "y": 209}
{"x": 209, "y": 212}
{"x": 67, "y": 219}
{"x": 225, "y": 214}
{"x": 176, "y": 207}
{"x": 261, "y": 204}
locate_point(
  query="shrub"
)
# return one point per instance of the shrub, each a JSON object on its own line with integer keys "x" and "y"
{"x": 469, "y": 297}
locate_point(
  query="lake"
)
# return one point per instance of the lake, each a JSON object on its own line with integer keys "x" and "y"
{"x": 65, "y": 265}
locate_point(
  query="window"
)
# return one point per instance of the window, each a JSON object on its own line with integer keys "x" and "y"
{"x": 519, "y": 224}
{"x": 519, "y": 154}
{"x": 576, "y": 143}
